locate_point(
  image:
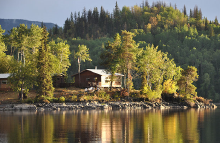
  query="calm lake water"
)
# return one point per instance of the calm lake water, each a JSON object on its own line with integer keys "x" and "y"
{"x": 129, "y": 126}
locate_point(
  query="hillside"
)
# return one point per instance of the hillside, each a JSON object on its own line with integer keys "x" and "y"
{"x": 188, "y": 38}
{"x": 8, "y": 24}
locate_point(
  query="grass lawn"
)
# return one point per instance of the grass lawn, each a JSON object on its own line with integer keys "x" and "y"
{"x": 13, "y": 97}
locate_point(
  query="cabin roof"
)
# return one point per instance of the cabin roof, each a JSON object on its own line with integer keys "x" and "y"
{"x": 4, "y": 75}
{"x": 100, "y": 72}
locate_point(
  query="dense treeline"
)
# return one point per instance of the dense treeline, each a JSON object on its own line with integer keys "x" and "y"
{"x": 93, "y": 24}
{"x": 188, "y": 38}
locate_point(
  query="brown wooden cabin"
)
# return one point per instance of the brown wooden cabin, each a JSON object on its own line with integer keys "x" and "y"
{"x": 96, "y": 78}
{"x": 4, "y": 86}
{"x": 60, "y": 82}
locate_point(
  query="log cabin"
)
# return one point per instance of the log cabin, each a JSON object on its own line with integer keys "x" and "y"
{"x": 97, "y": 78}
{"x": 4, "y": 82}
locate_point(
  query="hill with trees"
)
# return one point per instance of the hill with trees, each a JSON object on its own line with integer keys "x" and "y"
{"x": 182, "y": 39}
{"x": 8, "y": 24}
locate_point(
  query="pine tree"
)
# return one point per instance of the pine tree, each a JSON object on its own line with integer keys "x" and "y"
{"x": 117, "y": 19}
{"x": 184, "y": 10}
{"x": 185, "y": 83}
{"x": 44, "y": 66}
{"x": 128, "y": 56}
{"x": 216, "y": 21}
{"x": 110, "y": 57}
{"x": 206, "y": 24}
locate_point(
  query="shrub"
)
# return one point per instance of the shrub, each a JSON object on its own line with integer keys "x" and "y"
{"x": 107, "y": 97}
{"x": 43, "y": 99}
{"x": 101, "y": 94}
{"x": 116, "y": 96}
{"x": 29, "y": 100}
{"x": 56, "y": 100}
{"x": 153, "y": 95}
{"x": 62, "y": 99}
{"x": 124, "y": 93}
{"x": 135, "y": 94}
{"x": 74, "y": 98}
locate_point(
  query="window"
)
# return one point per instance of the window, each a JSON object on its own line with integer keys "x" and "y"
{"x": 95, "y": 79}
{"x": 107, "y": 79}
{"x": 4, "y": 81}
{"x": 87, "y": 79}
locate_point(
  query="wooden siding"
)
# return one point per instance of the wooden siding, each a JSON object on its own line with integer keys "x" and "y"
{"x": 87, "y": 79}
{"x": 4, "y": 86}
{"x": 90, "y": 79}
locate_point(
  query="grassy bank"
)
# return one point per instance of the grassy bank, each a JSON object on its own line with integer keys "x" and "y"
{"x": 73, "y": 94}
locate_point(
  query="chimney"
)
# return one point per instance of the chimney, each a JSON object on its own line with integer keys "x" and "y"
{"x": 95, "y": 67}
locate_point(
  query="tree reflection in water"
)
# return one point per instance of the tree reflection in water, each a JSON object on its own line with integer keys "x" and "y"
{"x": 108, "y": 126}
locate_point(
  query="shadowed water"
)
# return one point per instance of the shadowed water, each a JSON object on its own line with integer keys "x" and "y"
{"x": 153, "y": 126}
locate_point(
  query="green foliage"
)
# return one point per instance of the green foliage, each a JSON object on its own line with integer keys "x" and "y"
{"x": 74, "y": 98}
{"x": 83, "y": 53}
{"x": 43, "y": 99}
{"x": 4, "y": 59}
{"x": 185, "y": 83}
{"x": 169, "y": 86}
{"x": 60, "y": 55}
{"x": 44, "y": 68}
{"x": 153, "y": 95}
{"x": 156, "y": 68}
{"x": 111, "y": 56}
{"x": 22, "y": 77}
{"x": 135, "y": 94}
{"x": 190, "y": 41}
{"x": 62, "y": 99}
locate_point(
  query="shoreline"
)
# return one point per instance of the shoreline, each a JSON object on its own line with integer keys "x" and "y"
{"x": 101, "y": 105}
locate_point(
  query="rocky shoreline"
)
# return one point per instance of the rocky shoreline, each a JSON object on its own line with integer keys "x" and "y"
{"x": 100, "y": 106}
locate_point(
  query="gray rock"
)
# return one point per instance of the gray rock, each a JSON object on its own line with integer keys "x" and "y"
{"x": 24, "y": 107}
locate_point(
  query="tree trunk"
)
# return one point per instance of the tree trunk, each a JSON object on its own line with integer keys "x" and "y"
{"x": 22, "y": 91}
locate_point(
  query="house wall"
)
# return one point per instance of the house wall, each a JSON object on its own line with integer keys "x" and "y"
{"x": 3, "y": 85}
{"x": 117, "y": 81}
{"x": 106, "y": 82}
{"x": 58, "y": 80}
{"x": 87, "y": 79}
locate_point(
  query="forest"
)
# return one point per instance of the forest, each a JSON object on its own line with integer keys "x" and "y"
{"x": 188, "y": 42}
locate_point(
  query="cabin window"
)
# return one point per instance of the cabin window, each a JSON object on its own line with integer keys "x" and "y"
{"x": 87, "y": 79}
{"x": 58, "y": 78}
{"x": 107, "y": 79}
{"x": 95, "y": 79}
{"x": 4, "y": 81}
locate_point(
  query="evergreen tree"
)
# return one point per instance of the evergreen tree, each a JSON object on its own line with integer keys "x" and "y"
{"x": 110, "y": 56}
{"x": 44, "y": 68}
{"x": 216, "y": 21}
{"x": 185, "y": 83}
{"x": 117, "y": 19}
{"x": 211, "y": 31}
{"x": 184, "y": 10}
{"x": 129, "y": 50}
{"x": 206, "y": 24}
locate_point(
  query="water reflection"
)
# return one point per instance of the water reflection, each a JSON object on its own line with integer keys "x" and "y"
{"x": 129, "y": 126}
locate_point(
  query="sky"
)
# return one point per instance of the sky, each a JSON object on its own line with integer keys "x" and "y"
{"x": 57, "y": 11}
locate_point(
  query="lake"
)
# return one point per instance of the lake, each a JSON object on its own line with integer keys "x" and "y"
{"x": 115, "y": 126}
